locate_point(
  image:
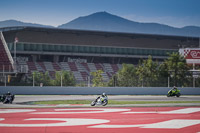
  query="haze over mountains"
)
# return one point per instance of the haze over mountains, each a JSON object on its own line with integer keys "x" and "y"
{"x": 103, "y": 21}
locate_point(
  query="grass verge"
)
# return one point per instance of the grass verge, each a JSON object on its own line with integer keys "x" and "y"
{"x": 111, "y": 102}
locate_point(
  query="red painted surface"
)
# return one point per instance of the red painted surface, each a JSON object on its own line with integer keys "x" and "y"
{"x": 115, "y": 118}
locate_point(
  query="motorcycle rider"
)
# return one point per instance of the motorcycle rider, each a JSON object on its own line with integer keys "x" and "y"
{"x": 102, "y": 96}
{"x": 100, "y": 100}
{"x": 8, "y": 93}
{"x": 175, "y": 88}
{"x": 174, "y": 92}
{"x": 8, "y": 97}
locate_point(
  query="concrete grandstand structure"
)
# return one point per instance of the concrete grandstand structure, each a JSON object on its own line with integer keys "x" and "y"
{"x": 82, "y": 52}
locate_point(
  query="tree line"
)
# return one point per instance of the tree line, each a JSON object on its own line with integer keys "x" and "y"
{"x": 174, "y": 71}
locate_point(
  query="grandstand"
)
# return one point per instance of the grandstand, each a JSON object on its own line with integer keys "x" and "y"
{"x": 81, "y": 52}
{"x": 6, "y": 61}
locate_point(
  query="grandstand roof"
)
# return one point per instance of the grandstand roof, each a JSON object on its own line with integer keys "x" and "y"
{"x": 96, "y": 38}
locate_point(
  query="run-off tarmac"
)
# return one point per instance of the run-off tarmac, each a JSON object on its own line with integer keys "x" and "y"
{"x": 98, "y": 120}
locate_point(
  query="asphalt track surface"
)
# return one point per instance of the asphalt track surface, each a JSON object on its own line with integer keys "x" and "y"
{"x": 98, "y": 120}
{"x": 26, "y": 98}
{"x": 20, "y": 100}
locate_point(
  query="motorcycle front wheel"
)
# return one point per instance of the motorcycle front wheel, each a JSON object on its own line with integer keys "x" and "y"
{"x": 105, "y": 102}
{"x": 178, "y": 95}
{"x": 168, "y": 95}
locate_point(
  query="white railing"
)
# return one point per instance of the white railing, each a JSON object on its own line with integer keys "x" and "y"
{"x": 7, "y": 50}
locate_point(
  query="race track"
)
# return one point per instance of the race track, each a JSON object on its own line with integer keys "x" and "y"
{"x": 22, "y": 100}
{"x": 28, "y": 98}
{"x": 98, "y": 120}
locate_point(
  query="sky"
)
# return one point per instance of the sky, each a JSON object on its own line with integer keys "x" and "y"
{"x": 176, "y": 13}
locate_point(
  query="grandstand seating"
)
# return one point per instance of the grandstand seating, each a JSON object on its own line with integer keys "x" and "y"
{"x": 5, "y": 64}
{"x": 73, "y": 66}
{"x": 64, "y": 66}
{"x": 81, "y": 71}
{"x": 98, "y": 66}
{"x": 42, "y": 66}
{"x": 114, "y": 67}
{"x": 84, "y": 75}
{"x": 92, "y": 67}
{"x": 77, "y": 75}
{"x": 56, "y": 66}
{"x": 48, "y": 66}
{"x": 38, "y": 66}
{"x": 32, "y": 66}
{"x": 85, "y": 65}
{"x": 108, "y": 67}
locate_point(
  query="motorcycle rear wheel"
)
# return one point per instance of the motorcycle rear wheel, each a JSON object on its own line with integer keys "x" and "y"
{"x": 178, "y": 95}
{"x": 105, "y": 102}
{"x": 93, "y": 103}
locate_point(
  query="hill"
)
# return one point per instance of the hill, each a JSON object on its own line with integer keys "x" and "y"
{"x": 12, "y": 23}
{"x": 103, "y": 21}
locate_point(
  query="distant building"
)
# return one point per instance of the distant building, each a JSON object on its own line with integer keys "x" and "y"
{"x": 80, "y": 51}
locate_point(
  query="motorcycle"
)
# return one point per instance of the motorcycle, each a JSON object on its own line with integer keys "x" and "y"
{"x": 1, "y": 98}
{"x": 173, "y": 92}
{"x": 100, "y": 101}
{"x": 7, "y": 98}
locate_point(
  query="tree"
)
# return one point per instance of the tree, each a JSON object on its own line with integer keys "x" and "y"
{"x": 177, "y": 68}
{"x": 163, "y": 75}
{"x": 42, "y": 78}
{"x": 197, "y": 82}
{"x": 113, "y": 82}
{"x": 147, "y": 72}
{"x": 97, "y": 78}
{"x": 127, "y": 76}
{"x": 67, "y": 78}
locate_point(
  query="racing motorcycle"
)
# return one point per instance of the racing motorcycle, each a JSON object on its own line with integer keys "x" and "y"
{"x": 174, "y": 92}
{"x": 101, "y": 100}
{"x": 7, "y": 98}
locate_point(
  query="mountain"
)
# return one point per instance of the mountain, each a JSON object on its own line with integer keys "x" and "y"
{"x": 12, "y": 23}
{"x": 103, "y": 21}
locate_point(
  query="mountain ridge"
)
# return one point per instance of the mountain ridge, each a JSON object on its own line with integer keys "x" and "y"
{"x": 11, "y": 23}
{"x": 104, "y": 21}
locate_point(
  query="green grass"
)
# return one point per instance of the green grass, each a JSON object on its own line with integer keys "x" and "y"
{"x": 111, "y": 102}
{"x": 64, "y": 102}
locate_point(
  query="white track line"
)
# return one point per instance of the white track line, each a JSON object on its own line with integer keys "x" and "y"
{"x": 171, "y": 124}
{"x": 179, "y": 111}
{"x": 86, "y": 110}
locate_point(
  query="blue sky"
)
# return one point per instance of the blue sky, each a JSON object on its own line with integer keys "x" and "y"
{"x": 177, "y": 13}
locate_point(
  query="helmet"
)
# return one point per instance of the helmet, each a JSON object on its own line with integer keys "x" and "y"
{"x": 104, "y": 94}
